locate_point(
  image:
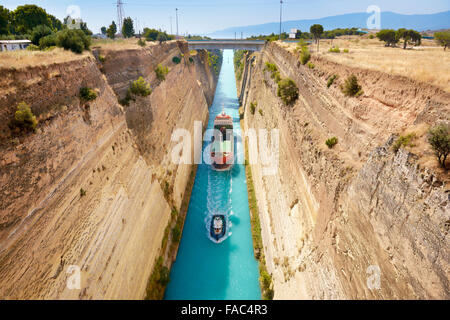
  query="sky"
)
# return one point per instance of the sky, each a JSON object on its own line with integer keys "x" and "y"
{"x": 206, "y": 16}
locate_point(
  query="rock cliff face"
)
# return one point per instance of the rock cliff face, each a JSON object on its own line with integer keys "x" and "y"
{"x": 332, "y": 218}
{"x": 85, "y": 189}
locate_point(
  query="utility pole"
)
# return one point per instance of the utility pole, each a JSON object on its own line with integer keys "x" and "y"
{"x": 281, "y": 10}
{"x": 119, "y": 15}
{"x": 176, "y": 13}
{"x": 242, "y": 35}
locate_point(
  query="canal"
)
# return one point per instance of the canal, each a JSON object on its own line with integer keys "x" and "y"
{"x": 204, "y": 269}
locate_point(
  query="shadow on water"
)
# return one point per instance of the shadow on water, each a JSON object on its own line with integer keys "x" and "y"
{"x": 204, "y": 269}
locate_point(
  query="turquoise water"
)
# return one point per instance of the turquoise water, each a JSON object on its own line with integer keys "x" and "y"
{"x": 204, "y": 269}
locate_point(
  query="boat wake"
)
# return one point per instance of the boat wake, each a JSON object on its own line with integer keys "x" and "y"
{"x": 219, "y": 189}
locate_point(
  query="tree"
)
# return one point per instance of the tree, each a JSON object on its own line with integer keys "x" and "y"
{"x": 150, "y": 34}
{"x": 85, "y": 29}
{"x": 389, "y": 36}
{"x": 4, "y": 20}
{"x": 128, "y": 29}
{"x": 439, "y": 138}
{"x": 29, "y": 16}
{"x": 316, "y": 31}
{"x": 443, "y": 38}
{"x": 56, "y": 23}
{"x": 40, "y": 32}
{"x": 112, "y": 30}
{"x": 162, "y": 37}
{"x": 103, "y": 29}
{"x": 408, "y": 35}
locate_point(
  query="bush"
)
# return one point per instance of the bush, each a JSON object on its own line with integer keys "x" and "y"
{"x": 261, "y": 112}
{"x": 48, "y": 41}
{"x": 253, "y": 107}
{"x": 191, "y": 60}
{"x": 305, "y": 56}
{"x": 311, "y": 65}
{"x": 335, "y": 49}
{"x": 142, "y": 42}
{"x": 101, "y": 58}
{"x": 32, "y": 47}
{"x": 287, "y": 91}
{"x": 24, "y": 118}
{"x": 164, "y": 276}
{"x": 161, "y": 72}
{"x": 346, "y": 51}
{"x": 140, "y": 87}
{"x": 439, "y": 139}
{"x": 176, "y": 234}
{"x": 82, "y": 192}
{"x": 176, "y": 60}
{"x": 371, "y": 36}
{"x": 271, "y": 67}
{"x": 266, "y": 280}
{"x": 404, "y": 141}
{"x": 331, "y": 80}
{"x": 75, "y": 40}
{"x": 351, "y": 87}
{"x": 39, "y": 32}
{"x": 331, "y": 142}
{"x": 87, "y": 94}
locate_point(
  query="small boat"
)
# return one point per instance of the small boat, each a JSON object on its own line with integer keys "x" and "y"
{"x": 222, "y": 149}
{"x": 218, "y": 227}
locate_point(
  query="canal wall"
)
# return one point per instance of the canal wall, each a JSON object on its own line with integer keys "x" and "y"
{"x": 334, "y": 221}
{"x": 92, "y": 189}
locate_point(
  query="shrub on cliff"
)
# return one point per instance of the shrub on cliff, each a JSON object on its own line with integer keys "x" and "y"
{"x": 161, "y": 72}
{"x": 140, "y": 87}
{"x": 439, "y": 138}
{"x": 24, "y": 118}
{"x": 253, "y": 107}
{"x": 404, "y": 141}
{"x": 331, "y": 80}
{"x": 87, "y": 94}
{"x": 142, "y": 42}
{"x": 351, "y": 88}
{"x": 331, "y": 142}
{"x": 287, "y": 91}
{"x": 176, "y": 60}
{"x": 305, "y": 56}
{"x": 311, "y": 65}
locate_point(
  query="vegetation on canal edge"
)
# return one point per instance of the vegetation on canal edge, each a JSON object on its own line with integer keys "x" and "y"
{"x": 265, "y": 278}
{"x": 160, "y": 276}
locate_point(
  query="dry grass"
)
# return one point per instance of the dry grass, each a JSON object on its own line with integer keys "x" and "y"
{"x": 23, "y": 58}
{"x": 120, "y": 44}
{"x": 427, "y": 63}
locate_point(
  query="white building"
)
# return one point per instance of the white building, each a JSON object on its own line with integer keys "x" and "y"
{"x": 292, "y": 33}
{"x": 12, "y": 45}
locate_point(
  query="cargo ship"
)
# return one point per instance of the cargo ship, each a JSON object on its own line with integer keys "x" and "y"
{"x": 222, "y": 148}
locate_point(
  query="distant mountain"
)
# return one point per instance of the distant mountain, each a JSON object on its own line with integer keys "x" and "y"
{"x": 389, "y": 20}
